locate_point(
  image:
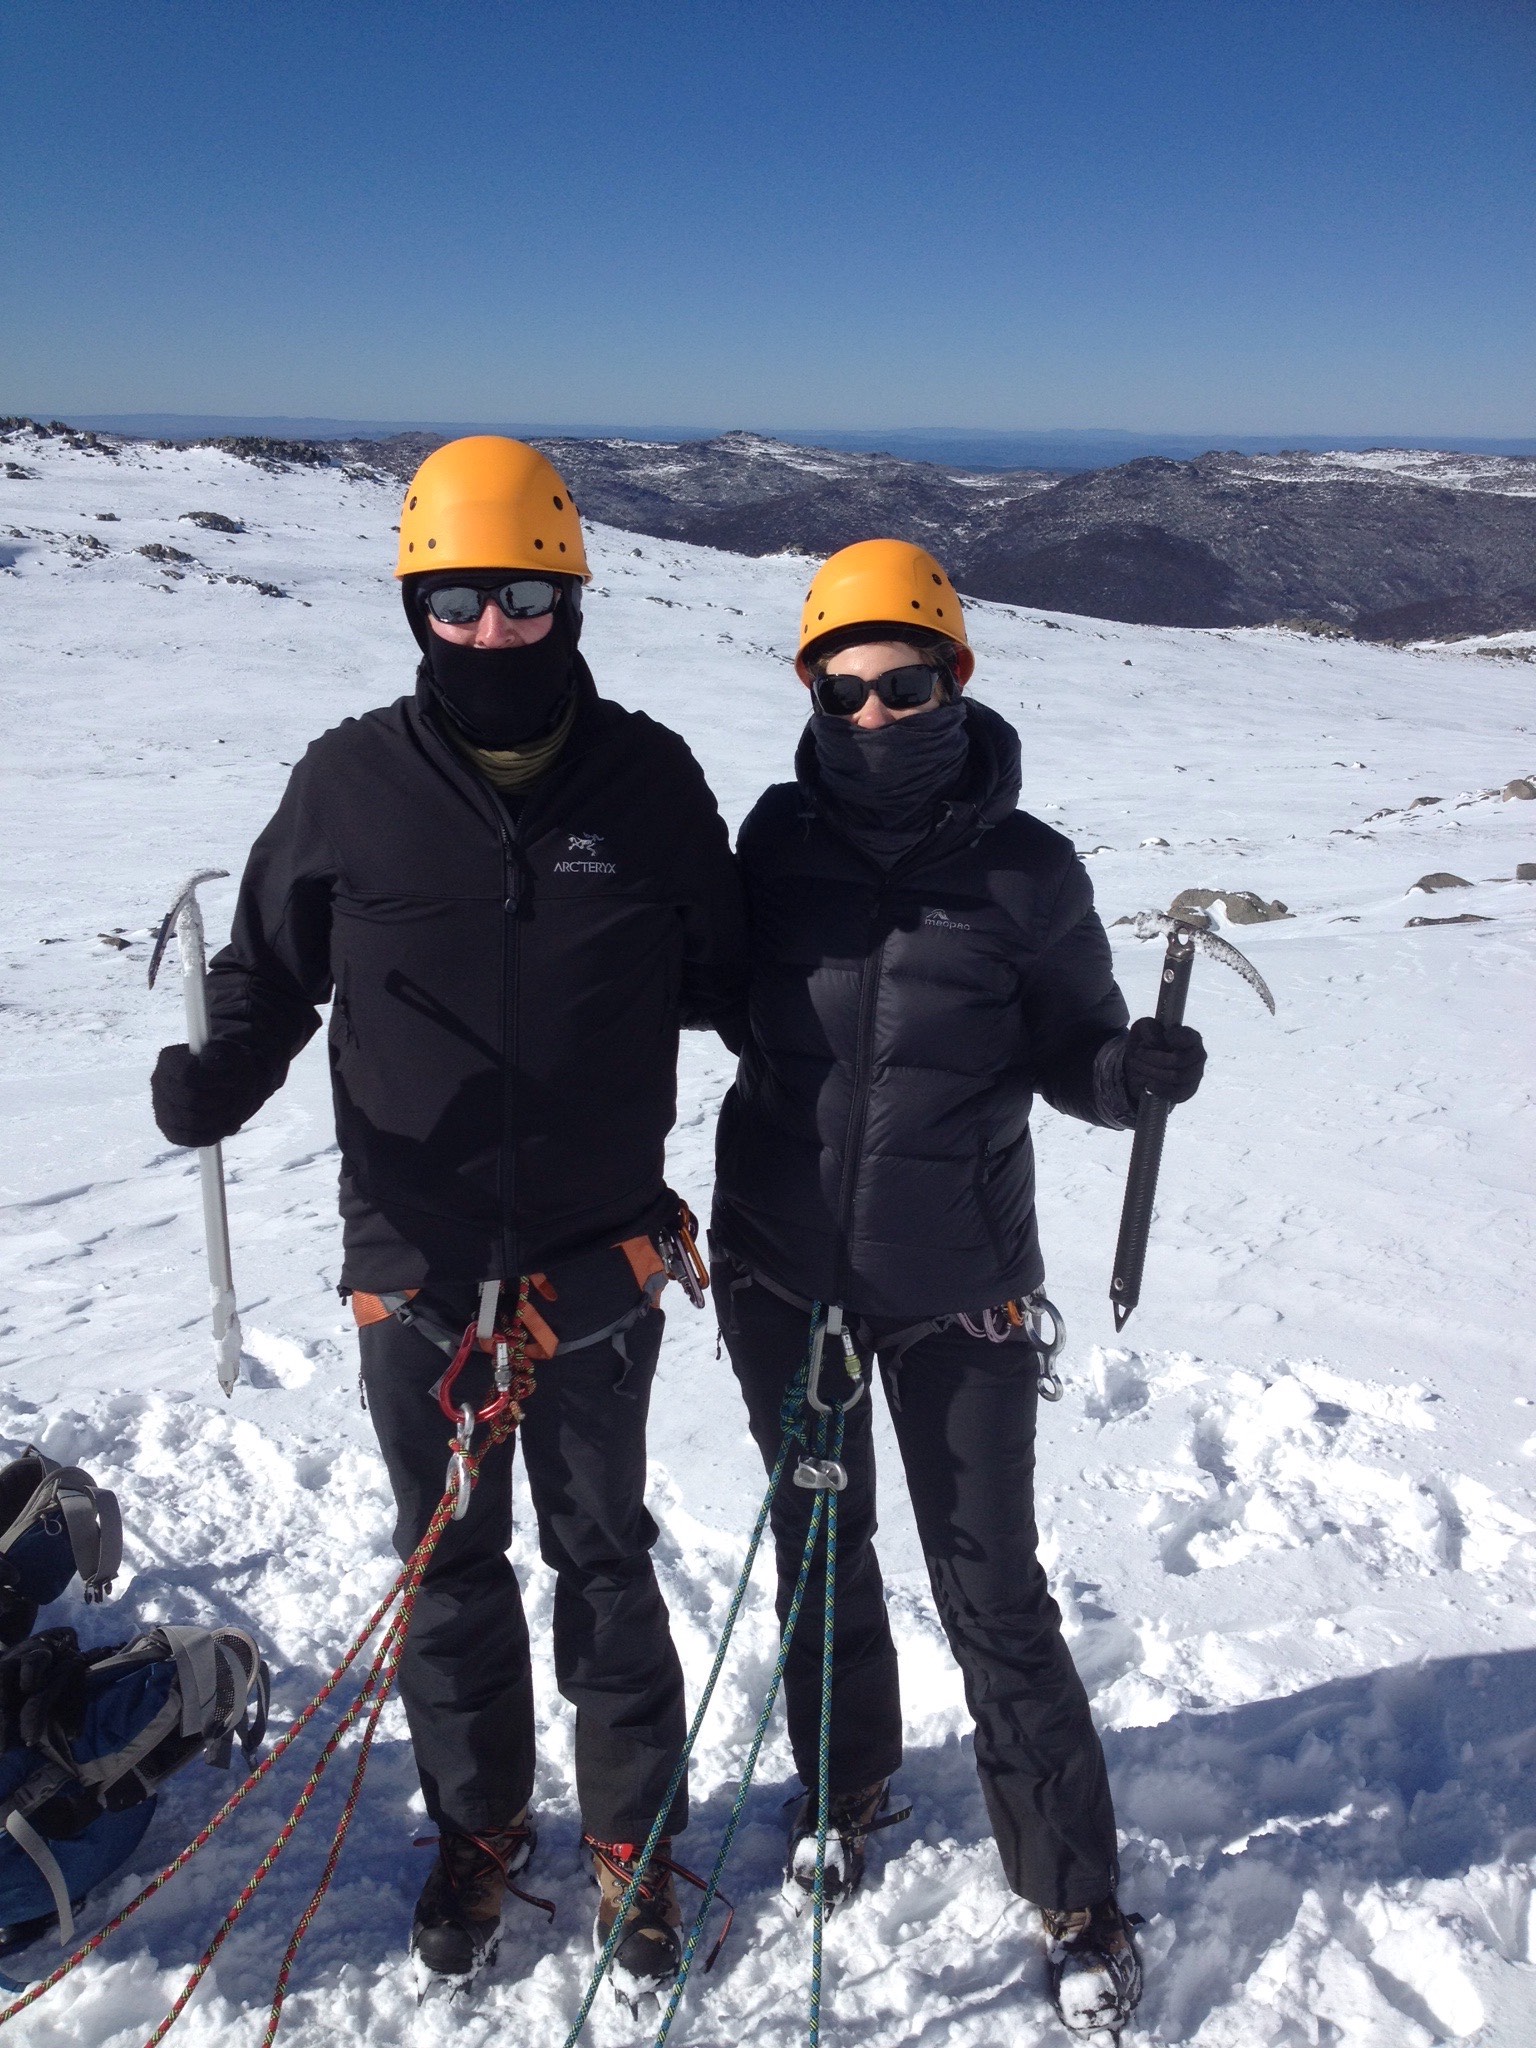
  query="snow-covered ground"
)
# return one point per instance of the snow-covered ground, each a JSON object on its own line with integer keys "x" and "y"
{"x": 1291, "y": 1516}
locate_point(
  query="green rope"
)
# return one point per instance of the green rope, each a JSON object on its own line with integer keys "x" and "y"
{"x": 823, "y": 1759}
{"x": 793, "y": 1411}
{"x": 744, "y": 1786}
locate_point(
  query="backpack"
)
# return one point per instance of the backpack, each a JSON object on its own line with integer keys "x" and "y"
{"x": 100, "y": 1732}
{"x": 55, "y": 1521}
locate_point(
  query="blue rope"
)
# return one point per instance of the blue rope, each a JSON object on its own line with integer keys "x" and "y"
{"x": 823, "y": 1758}
{"x": 695, "y": 1932}
{"x": 793, "y": 1408}
{"x": 825, "y": 1502}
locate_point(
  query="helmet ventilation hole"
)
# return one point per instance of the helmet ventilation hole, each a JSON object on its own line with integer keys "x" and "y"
{"x": 559, "y": 504}
{"x": 412, "y": 506}
{"x": 431, "y": 543}
{"x": 538, "y": 543}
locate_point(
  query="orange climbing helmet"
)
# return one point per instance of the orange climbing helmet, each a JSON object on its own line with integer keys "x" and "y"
{"x": 886, "y": 583}
{"x": 489, "y": 503}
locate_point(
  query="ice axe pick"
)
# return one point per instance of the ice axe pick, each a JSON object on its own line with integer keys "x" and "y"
{"x": 185, "y": 918}
{"x": 1184, "y": 931}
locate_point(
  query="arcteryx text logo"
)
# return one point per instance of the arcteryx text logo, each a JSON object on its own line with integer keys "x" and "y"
{"x": 943, "y": 922}
{"x": 585, "y": 843}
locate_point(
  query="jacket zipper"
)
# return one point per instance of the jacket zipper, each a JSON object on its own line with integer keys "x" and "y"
{"x": 868, "y": 993}
{"x": 869, "y": 990}
{"x": 511, "y": 962}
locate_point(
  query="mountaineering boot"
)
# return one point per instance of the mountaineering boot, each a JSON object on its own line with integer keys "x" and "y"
{"x": 458, "y": 1916}
{"x": 1095, "y": 1970}
{"x": 649, "y": 1951}
{"x": 852, "y": 1816}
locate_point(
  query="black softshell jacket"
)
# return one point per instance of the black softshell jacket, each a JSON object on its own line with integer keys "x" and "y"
{"x": 508, "y": 993}
{"x": 875, "y": 1149}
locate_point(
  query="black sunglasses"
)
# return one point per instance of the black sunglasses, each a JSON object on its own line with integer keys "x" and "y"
{"x": 460, "y": 604}
{"x": 899, "y": 689}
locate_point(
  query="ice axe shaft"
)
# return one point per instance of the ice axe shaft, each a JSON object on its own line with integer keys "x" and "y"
{"x": 1184, "y": 936}
{"x": 185, "y": 918}
{"x": 1147, "y": 1145}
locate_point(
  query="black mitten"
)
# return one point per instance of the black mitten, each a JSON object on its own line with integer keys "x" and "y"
{"x": 1165, "y": 1059}
{"x": 200, "y": 1098}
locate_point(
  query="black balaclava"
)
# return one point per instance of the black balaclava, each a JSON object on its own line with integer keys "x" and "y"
{"x": 885, "y": 786}
{"x": 500, "y": 697}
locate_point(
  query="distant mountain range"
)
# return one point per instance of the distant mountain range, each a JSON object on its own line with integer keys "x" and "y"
{"x": 1387, "y": 544}
{"x": 1053, "y": 448}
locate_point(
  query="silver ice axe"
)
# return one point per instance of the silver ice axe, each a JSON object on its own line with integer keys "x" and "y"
{"x": 1184, "y": 932}
{"x": 186, "y": 919}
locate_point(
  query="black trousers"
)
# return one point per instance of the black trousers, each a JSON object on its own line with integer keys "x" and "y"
{"x": 964, "y": 1415}
{"x": 465, "y": 1677}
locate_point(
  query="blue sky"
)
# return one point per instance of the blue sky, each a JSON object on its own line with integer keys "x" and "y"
{"x": 1241, "y": 214}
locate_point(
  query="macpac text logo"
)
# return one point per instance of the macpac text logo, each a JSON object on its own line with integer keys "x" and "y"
{"x": 585, "y": 843}
{"x": 943, "y": 922}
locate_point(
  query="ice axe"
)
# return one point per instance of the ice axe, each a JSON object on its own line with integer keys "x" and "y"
{"x": 1184, "y": 930}
{"x": 185, "y": 918}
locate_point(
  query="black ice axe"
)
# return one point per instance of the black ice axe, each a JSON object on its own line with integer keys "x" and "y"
{"x": 1184, "y": 931}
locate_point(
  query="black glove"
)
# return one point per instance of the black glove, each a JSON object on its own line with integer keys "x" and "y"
{"x": 1166, "y": 1059}
{"x": 200, "y": 1098}
{"x": 41, "y": 1679}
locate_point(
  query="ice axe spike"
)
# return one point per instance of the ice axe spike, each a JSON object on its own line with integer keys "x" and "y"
{"x": 1184, "y": 931}
{"x": 185, "y": 919}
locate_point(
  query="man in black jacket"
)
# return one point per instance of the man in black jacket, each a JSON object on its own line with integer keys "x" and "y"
{"x": 925, "y": 960}
{"x": 514, "y": 894}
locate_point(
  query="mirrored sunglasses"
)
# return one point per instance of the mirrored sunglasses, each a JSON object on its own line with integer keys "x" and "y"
{"x": 460, "y": 604}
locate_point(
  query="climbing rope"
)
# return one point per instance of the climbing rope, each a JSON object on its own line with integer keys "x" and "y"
{"x": 395, "y": 1610}
{"x": 823, "y": 1761}
{"x": 793, "y": 1408}
{"x": 749, "y": 1768}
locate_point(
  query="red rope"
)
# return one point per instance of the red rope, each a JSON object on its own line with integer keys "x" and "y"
{"x": 371, "y": 1697}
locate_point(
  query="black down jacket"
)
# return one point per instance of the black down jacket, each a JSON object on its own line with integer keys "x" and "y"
{"x": 508, "y": 995}
{"x": 875, "y": 1149}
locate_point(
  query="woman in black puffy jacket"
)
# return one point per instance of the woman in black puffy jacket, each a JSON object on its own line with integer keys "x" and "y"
{"x": 925, "y": 959}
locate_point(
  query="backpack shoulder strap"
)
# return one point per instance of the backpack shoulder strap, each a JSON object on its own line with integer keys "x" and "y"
{"x": 95, "y": 1525}
{"x": 92, "y": 1519}
{"x": 31, "y": 1843}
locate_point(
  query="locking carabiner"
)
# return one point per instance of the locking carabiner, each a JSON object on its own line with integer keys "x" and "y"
{"x": 853, "y": 1365}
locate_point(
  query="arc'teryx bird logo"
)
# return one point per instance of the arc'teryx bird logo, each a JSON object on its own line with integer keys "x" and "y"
{"x": 585, "y": 843}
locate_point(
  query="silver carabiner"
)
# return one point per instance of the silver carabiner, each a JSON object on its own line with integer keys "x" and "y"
{"x": 852, "y": 1364}
{"x": 458, "y": 1465}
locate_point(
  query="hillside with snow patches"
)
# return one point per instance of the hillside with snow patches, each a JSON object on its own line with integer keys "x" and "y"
{"x": 1290, "y": 1516}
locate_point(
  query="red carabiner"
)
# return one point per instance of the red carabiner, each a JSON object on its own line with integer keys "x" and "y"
{"x": 500, "y": 1400}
